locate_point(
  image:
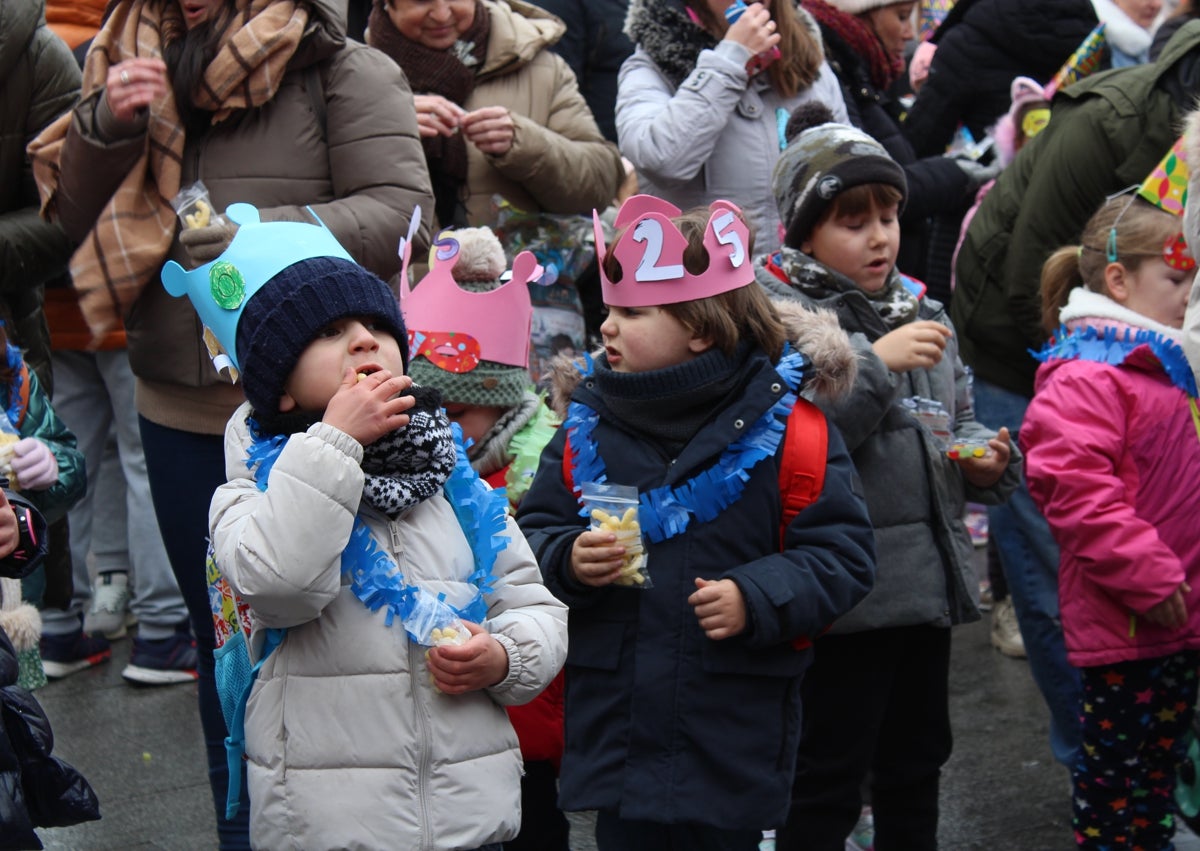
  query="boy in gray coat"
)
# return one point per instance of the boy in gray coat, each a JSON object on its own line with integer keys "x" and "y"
{"x": 875, "y": 700}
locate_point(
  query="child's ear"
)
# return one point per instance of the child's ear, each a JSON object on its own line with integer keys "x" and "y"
{"x": 699, "y": 345}
{"x": 806, "y": 247}
{"x": 1116, "y": 281}
{"x": 286, "y": 403}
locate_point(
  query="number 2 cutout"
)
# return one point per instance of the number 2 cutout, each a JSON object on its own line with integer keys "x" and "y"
{"x": 650, "y": 232}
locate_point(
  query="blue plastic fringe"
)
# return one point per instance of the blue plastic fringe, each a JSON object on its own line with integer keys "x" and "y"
{"x": 1112, "y": 346}
{"x": 665, "y": 512}
{"x": 376, "y": 578}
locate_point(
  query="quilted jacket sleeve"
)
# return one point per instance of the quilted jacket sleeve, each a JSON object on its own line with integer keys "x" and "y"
{"x": 565, "y": 164}
{"x": 281, "y": 548}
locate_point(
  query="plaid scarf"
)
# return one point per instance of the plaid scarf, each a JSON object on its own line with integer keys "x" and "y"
{"x": 132, "y": 236}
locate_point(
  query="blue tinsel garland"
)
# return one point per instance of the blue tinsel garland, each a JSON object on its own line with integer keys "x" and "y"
{"x": 376, "y": 578}
{"x": 1112, "y": 346}
{"x": 665, "y": 512}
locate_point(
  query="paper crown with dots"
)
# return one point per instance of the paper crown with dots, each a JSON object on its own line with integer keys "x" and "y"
{"x": 457, "y": 328}
{"x": 220, "y": 289}
{"x": 650, "y": 249}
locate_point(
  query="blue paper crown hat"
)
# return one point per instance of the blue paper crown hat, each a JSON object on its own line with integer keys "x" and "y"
{"x": 220, "y": 289}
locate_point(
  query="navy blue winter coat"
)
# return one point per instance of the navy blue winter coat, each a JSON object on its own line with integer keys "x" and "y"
{"x": 662, "y": 723}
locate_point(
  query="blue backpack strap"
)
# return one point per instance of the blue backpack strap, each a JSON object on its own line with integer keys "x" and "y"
{"x": 235, "y": 744}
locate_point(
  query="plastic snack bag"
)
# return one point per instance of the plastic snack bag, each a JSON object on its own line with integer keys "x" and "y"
{"x": 194, "y": 207}
{"x": 614, "y": 508}
{"x": 933, "y": 415}
{"x": 965, "y": 448}
{"x": 432, "y": 623}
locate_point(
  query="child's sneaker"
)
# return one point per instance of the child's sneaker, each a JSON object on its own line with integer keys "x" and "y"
{"x": 768, "y": 841}
{"x": 862, "y": 838}
{"x": 157, "y": 662}
{"x": 63, "y": 655}
{"x": 110, "y": 597}
{"x": 1006, "y": 634}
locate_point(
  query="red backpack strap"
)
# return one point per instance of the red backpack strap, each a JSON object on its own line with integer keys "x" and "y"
{"x": 802, "y": 470}
{"x": 568, "y": 465}
{"x": 802, "y": 467}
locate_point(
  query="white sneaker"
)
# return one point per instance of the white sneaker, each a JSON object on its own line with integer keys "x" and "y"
{"x": 110, "y": 598}
{"x": 1006, "y": 634}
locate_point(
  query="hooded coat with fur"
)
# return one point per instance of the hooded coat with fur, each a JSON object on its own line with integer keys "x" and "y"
{"x": 915, "y": 493}
{"x": 662, "y": 723}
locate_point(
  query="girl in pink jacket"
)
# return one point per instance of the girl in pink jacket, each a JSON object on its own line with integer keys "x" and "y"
{"x": 1112, "y": 455}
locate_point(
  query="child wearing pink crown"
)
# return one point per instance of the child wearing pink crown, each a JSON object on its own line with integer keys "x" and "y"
{"x": 682, "y": 689}
{"x": 468, "y": 332}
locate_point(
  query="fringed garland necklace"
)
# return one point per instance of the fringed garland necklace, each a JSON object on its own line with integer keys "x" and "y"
{"x": 1112, "y": 346}
{"x": 376, "y": 578}
{"x": 667, "y": 511}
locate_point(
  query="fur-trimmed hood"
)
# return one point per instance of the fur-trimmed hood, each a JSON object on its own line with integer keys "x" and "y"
{"x": 816, "y": 333}
{"x": 663, "y": 29}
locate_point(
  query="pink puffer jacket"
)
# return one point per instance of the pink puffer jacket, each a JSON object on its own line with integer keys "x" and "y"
{"x": 1112, "y": 458}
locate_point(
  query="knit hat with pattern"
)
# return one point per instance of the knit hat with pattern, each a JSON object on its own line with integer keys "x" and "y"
{"x": 288, "y": 312}
{"x": 822, "y": 160}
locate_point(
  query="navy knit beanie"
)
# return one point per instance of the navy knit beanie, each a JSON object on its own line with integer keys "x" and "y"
{"x": 290, "y": 309}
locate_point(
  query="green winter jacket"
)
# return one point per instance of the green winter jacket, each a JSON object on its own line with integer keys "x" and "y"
{"x": 1107, "y": 133}
{"x": 39, "y": 80}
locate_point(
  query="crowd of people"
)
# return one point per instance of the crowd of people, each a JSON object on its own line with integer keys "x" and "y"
{"x": 862, "y": 273}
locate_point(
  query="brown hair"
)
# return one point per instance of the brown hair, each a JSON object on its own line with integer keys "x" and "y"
{"x": 726, "y": 318}
{"x": 800, "y": 50}
{"x": 855, "y": 201}
{"x": 1140, "y": 231}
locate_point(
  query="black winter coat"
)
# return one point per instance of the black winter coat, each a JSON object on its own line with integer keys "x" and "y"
{"x": 662, "y": 723}
{"x": 982, "y": 46}
{"x": 36, "y": 789}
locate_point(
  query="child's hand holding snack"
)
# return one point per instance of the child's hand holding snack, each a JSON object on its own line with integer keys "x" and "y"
{"x": 33, "y": 464}
{"x": 986, "y": 471}
{"x": 917, "y": 345}
{"x": 368, "y": 407}
{"x": 719, "y": 607}
{"x": 596, "y": 558}
{"x": 479, "y": 663}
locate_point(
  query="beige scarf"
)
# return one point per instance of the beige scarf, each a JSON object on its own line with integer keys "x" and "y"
{"x": 131, "y": 239}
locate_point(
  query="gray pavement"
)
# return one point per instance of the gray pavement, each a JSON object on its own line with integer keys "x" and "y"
{"x": 141, "y": 750}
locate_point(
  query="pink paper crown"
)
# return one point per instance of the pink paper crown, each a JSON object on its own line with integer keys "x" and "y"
{"x": 455, "y": 328}
{"x": 650, "y": 249}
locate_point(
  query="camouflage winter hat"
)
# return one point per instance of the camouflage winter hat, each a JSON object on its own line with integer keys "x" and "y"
{"x": 822, "y": 160}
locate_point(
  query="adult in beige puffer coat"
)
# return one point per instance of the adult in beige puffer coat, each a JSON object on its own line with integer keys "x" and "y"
{"x": 283, "y": 113}
{"x": 500, "y": 114}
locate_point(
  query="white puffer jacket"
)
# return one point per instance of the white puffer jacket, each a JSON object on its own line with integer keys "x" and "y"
{"x": 349, "y": 745}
